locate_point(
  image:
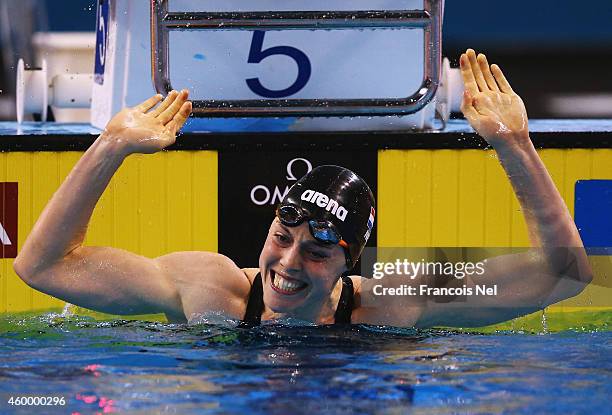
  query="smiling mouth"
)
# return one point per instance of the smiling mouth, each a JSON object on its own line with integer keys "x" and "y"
{"x": 286, "y": 286}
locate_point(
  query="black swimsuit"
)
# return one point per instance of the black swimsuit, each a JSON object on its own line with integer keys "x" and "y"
{"x": 255, "y": 306}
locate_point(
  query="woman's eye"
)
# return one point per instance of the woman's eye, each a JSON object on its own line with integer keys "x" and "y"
{"x": 282, "y": 238}
{"x": 318, "y": 255}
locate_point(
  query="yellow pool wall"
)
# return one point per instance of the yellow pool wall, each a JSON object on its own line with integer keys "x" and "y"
{"x": 167, "y": 202}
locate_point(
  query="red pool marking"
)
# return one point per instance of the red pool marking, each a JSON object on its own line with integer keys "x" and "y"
{"x": 104, "y": 403}
{"x": 93, "y": 369}
{"x": 87, "y": 398}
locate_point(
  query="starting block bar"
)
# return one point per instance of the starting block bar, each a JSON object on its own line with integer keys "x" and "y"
{"x": 429, "y": 20}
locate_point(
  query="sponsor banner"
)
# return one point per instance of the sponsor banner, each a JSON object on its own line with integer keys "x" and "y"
{"x": 8, "y": 219}
{"x": 252, "y": 184}
{"x": 593, "y": 215}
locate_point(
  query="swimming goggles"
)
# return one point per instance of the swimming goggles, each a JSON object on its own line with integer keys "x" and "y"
{"x": 322, "y": 230}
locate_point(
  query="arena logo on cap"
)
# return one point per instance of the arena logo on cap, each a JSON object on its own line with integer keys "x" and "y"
{"x": 326, "y": 202}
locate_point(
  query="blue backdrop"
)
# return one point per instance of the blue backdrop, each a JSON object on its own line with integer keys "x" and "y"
{"x": 512, "y": 24}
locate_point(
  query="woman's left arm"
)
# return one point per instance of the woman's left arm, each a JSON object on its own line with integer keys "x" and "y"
{"x": 557, "y": 266}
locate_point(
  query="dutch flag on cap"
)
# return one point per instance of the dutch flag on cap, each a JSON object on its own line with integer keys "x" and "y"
{"x": 370, "y": 224}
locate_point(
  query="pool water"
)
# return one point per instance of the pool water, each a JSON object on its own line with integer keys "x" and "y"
{"x": 149, "y": 368}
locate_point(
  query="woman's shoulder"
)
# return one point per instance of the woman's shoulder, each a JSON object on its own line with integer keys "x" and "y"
{"x": 370, "y": 308}
{"x": 250, "y": 273}
{"x": 208, "y": 281}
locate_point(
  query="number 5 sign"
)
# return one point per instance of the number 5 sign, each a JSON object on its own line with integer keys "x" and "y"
{"x": 8, "y": 219}
{"x": 261, "y": 59}
{"x": 257, "y": 54}
{"x": 101, "y": 41}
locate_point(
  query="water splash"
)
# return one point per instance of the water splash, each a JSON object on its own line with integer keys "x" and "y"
{"x": 544, "y": 323}
{"x": 67, "y": 311}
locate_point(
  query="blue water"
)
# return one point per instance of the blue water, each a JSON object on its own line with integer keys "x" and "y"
{"x": 151, "y": 368}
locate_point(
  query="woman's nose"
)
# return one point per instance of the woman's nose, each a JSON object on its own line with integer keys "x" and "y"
{"x": 291, "y": 259}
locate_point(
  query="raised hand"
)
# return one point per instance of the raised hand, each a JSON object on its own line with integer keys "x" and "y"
{"x": 146, "y": 128}
{"x": 490, "y": 105}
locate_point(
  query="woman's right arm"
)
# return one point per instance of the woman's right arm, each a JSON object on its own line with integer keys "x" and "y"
{"x": 53, "y": 259}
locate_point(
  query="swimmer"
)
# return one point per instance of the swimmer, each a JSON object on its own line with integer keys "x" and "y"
{"x": 318, "y": 234}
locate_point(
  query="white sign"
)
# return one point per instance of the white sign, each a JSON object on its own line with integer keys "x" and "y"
{"x": 298, "y": 64}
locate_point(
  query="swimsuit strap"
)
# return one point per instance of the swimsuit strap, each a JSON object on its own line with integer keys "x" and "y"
{"x": 255, "y": 305}
{"x": 346, "y": 303}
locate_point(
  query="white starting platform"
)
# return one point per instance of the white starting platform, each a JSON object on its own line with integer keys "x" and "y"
{"x": 265, "y": 65}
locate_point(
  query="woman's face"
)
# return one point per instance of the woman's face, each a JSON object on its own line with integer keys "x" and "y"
{"x": 298, "y": 272}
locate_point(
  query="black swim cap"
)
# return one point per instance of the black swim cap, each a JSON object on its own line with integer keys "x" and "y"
{"x": 337, "y": 195}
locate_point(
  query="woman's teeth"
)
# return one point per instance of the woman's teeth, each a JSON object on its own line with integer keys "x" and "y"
{"x": 286, "y": 285}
